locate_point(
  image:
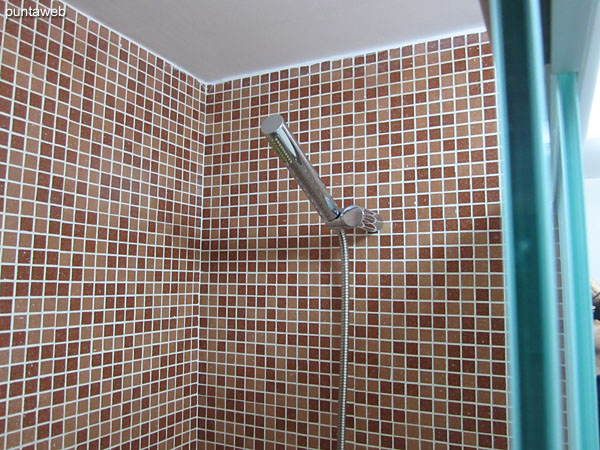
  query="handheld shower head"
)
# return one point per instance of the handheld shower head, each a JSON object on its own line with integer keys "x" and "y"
{"x": 287, "y": 148}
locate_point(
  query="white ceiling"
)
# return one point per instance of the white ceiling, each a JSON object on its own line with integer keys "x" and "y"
{"x": 223, "y": 39}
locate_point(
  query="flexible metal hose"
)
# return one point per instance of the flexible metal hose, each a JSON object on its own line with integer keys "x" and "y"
{"x": 341, "y": 430}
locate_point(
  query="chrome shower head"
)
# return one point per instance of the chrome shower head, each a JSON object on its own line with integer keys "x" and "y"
{"x": 287, "y": 148}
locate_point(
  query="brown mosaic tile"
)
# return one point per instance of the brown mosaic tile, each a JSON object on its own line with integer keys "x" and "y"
{"x": 415, "y": 142}
{"x": 99, "y": 304}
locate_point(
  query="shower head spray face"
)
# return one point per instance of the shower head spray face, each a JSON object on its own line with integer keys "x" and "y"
{"x": 287, "y": 148}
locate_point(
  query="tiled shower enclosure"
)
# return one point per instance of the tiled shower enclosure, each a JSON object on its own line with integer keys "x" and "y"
{"x": 165, "y": 284}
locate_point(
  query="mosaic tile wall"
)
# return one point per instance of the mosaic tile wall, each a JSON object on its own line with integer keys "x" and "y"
{"x": 167, "y": 286}
{"x": 412, "y": 133}
{"x": 100, "y": 164}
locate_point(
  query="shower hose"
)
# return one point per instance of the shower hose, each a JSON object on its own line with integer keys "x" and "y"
{"x": 341, "y": 430}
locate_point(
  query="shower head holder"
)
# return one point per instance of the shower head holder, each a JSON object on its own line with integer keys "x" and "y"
{"x": 357, "y": 217}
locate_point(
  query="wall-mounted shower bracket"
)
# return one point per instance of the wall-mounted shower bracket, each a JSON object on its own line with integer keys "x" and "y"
{"x": 357, "y": 217}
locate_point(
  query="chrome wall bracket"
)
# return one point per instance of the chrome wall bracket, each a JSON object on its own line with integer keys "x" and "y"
{"x": 357, "y": 217}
